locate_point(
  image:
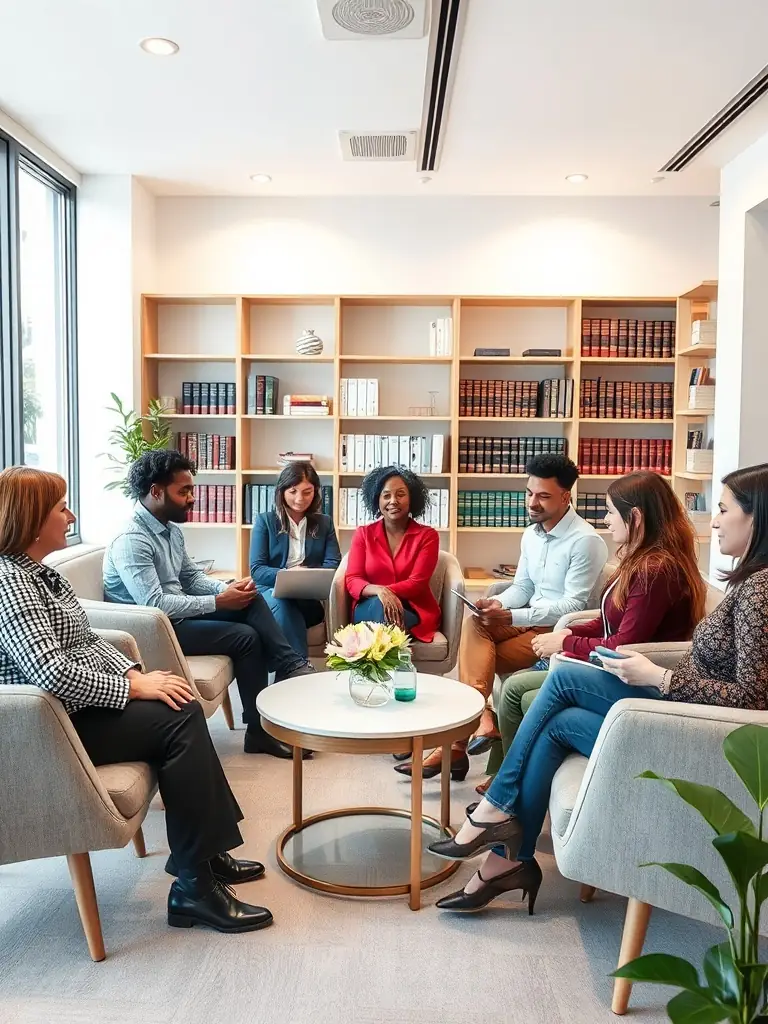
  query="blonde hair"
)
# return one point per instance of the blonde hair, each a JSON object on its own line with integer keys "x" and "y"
{"x": 27, "y": 498}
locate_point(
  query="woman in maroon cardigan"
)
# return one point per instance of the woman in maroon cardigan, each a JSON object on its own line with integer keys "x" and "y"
{"x": 392, "y": 559}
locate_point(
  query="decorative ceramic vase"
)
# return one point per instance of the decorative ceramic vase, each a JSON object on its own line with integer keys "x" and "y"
{"x": 309, "y": 344}
{"x": 369, "y": 693}
{"x": 404, "y": 679}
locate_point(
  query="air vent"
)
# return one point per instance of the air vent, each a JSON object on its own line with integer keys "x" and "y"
{"x": 739, "y": 105}
{"x": 382, "y": 146}
{"x": 373, "y": 19}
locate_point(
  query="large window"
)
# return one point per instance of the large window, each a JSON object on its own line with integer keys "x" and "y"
{"x": 38, "y": 376}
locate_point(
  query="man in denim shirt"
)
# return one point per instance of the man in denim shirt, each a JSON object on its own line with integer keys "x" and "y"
{"x": 148, "y": 564}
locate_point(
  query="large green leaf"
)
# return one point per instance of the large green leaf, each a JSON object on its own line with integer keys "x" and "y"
{"x": 721, "y": 974}
{"x": 744, "y": 856}
{"x": 694, "y": 877}
{"x": 754, "y": 984}
{"x": 662, "y": 969}
{"x": 761, "y": 889}
{"x": 697, "y": 1008}
{"x": 715, "y": 807}
{"x": 746, "y": 750}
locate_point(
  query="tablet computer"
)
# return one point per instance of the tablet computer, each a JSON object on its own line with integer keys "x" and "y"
{"x": 312, "y": 584}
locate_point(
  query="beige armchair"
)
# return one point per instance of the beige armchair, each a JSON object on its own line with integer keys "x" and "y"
{"x": 441, "y": 655}
{"x": 60, "y": 804}
{"x": 209, "y": 674}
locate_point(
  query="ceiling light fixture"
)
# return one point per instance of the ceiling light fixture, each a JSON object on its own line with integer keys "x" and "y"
{"x": 657, "y": 178}
{"x": 159, "y": 47}
{"x": 425, "y": 180}
{"x": 261, "y": 179}
{"x": 576, "y": 179}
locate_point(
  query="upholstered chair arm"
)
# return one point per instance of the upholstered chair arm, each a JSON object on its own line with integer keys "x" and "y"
{"x": 339, "y": 604}
{"x": 150, "y": 628}
{"x": 452, "y": 609}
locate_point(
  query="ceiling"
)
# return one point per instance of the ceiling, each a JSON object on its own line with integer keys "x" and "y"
{"x": 542, "y": 90}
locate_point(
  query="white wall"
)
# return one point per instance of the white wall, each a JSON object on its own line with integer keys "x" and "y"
{"x": 435, "y": 245}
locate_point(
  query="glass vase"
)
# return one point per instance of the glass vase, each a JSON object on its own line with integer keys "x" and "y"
{"x": 404, "y": 678}
{"x": 369, "y": 693}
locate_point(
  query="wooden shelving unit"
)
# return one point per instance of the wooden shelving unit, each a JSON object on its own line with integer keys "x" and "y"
{"x": 225, "y": 338}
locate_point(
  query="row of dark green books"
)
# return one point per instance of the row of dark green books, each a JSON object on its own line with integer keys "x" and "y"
{"x": 492, "y": 509}
{"x": 258, "y": 498}
{"x": 505, "y": 454}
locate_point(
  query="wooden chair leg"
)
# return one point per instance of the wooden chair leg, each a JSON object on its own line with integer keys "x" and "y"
{"x": 632, "y": 940}
{"x": 226, "y": 707}
{"x": 139, "y": 844}
{"x": 587, "y": 893}
{"x": 85, "y": 895}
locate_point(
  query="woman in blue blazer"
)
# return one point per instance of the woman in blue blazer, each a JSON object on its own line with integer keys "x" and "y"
{"x": 294, "y": 533}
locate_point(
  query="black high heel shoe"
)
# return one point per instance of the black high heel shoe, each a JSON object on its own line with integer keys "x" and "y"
{"x": 402, "y": 757}
{"x": 508, "y": 832}
{"x": 459, "y": 769}
{"x": 526, "y": 876}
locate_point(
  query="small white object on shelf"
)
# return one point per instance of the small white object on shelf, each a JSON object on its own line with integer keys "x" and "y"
{"x": 309, "y": 344}
{"x": 699, "y": 460}
{"x": 704, "y": 332}
{"x": 701, "y": 397}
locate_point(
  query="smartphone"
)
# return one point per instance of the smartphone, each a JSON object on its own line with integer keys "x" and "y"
{"x": 465, "y": 600}
{"x": 606, "y": 652}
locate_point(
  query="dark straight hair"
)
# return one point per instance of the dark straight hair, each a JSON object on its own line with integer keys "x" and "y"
{"x": 296, "y": 473}
{"x": 749, "y": 487}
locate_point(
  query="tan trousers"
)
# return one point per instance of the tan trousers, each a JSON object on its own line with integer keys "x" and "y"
{"x": 486, "y": 650}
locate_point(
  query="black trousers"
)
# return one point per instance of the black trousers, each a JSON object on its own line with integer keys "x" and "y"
{"x": 251, "y": 638}
{"x": 201, "y": 813}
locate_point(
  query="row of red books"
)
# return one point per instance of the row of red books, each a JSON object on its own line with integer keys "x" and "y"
{"x": 526, "y": 399}
{"x": 623, "y": 339}
{"x": 208, "y": 451}
{"x": 608, "y": 455}
{"x": 214, "y": 503}
{"x": 626, "y": 400}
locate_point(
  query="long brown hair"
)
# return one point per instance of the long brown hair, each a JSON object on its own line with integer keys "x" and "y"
{"x": 27, "y": 498}
{"x": 749, "y": 486}
{"x": 296, "y": 473}
{"x": 661, "y": 539}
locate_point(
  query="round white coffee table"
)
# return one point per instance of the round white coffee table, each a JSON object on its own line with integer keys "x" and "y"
{"x": 316, "y": 712}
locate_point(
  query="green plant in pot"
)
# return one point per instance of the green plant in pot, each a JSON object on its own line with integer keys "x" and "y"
{"x": 734, "y": 985}
{"x": 134, "y": 436}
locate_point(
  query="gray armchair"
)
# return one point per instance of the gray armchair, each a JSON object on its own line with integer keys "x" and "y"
{"x": 59, "y": 803}
{"x": 442, "y": 654}
{"x": 209, "y": 675}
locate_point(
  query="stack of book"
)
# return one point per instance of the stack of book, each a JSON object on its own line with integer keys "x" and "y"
{"x": 525, "y": 399}
{"x": 701, "y": 389}
{"x": 482, "y": 509}
{"x": 286, "y": 458}
{"x": 207, "y": 398}
{"x": 698, "y": 459}
{"x": 505, "y": 454}
{"x": 628, "y": 339}
{"x": 352, "y": 512}
{"x": 359, "y": 396}
{"x": 214, "y": 503}
{"x": 605, "y": 456}
{"x": 208, "y": 451}
{"x": 306, "y": 405}
{"x": 441, "y": 336}
{"x": 704, "y": 332}
{"x": 261, "y": 395}
{"x": 626, "y": 400}
{"x": 259, "y": 498}
{"x": 360, "y": 453}
{"x": 592, "y": 507}
{"x": 699, "y": 375}
{"x": 696, "y": 507}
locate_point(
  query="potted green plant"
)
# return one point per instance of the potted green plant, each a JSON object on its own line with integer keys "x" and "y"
{"x": 134, "y": 436}
{"x": 734, "y": 986}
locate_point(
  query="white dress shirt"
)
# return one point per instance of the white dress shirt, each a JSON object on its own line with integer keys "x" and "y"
{"x": 297, "y": 539}
{"x": 556, "y": 572}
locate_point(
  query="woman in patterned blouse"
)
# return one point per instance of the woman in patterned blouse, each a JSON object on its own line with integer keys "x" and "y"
{"x": 727, "y": 665}
{"x": 119, "y": 712}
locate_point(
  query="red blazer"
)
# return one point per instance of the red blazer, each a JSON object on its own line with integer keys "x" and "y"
{"x": 657, "y": 609}
{"x": 370, "y": 561}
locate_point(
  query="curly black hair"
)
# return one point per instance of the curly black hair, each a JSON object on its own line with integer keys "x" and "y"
{"x": 373, "y": 485}
{"x": 156, "y": 468}
{"x": 559, "y": 467}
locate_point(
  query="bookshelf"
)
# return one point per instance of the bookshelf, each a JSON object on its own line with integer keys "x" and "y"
{"x": 226, "y": 338}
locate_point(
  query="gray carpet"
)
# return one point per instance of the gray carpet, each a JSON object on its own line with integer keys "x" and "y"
{"x": 326, "y": 960}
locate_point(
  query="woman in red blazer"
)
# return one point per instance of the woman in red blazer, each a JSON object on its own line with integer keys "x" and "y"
{"x": 392, "y": 559}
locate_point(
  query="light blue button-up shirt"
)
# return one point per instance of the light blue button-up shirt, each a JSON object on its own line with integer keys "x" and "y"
{"x": 556, "y": 572}
{"x": 148, "y": 564}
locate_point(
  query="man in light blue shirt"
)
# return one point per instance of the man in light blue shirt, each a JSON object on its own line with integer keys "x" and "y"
{"x": 148, "y": 564}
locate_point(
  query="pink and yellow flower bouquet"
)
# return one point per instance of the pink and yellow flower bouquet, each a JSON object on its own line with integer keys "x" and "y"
{"x": 371, "y": 649}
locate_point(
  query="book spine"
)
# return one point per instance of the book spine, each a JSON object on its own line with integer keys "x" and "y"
{"x": 186, "y": 397}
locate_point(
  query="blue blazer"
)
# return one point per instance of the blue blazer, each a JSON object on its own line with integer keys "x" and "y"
{"x": 269, "y": 548}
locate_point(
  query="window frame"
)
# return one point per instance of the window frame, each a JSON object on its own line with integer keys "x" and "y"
{"x": 16, "y": 159}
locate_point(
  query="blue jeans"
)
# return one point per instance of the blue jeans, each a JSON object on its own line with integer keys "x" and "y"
{"x": 370, "y": 609}
{"x": 294, "y": 616}
{"x": 565, "y": 716}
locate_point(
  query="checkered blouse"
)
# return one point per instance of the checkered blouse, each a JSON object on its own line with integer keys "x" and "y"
{"x": 46, "y": 641}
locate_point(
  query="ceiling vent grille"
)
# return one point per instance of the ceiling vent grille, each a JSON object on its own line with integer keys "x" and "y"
{"x": 373, "y": 19}
{"x": 381, "y": 146}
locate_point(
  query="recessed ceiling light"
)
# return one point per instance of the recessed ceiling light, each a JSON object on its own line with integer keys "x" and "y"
{"x": 659, "y": 177}
{"x": 261, "y": 179}
{"x": 159, "y": 47}
{"x": 576, "y": 179}
{"x": 425, "y": 180}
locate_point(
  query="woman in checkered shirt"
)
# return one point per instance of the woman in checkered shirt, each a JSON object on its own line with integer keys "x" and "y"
{"x": 119, "y": 712}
